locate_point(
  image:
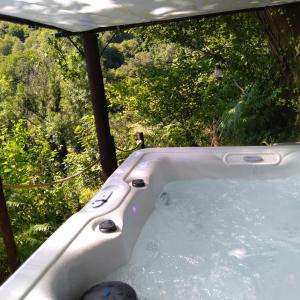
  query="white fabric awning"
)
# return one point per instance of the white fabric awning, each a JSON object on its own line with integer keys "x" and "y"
{"x": 84, "y": 15}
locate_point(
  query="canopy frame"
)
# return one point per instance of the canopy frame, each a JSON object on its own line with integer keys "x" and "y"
{"x": 106, "y": 143}
{"x": 65, "y": 32}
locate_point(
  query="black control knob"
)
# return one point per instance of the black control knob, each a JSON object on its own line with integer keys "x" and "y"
{"x": 138, "y": 183}
{"x": 108, "y": 226}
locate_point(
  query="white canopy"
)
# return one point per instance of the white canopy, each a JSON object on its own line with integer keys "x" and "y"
{"x": 84, "y": 15}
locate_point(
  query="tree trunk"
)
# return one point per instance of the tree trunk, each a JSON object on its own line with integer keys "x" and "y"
{"x": 282, "y": 26}
{"x": 7, "y": 234}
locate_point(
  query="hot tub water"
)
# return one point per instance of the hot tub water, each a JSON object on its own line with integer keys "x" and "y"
{"x": 219, "y": 239}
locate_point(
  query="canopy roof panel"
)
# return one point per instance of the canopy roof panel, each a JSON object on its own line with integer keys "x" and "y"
{"x": 85, "y": 15}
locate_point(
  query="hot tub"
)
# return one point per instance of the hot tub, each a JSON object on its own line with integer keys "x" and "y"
{"x": 187, "y": 223}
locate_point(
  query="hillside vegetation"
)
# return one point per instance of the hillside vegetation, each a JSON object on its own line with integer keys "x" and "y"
{"x": 216, "y": 81}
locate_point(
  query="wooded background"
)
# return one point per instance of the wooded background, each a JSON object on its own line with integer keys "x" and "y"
{"x": 227, "y": 80}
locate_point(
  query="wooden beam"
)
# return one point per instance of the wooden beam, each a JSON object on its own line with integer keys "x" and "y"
{"x": 8, "y": 237}
{"x": 106, "y": 143}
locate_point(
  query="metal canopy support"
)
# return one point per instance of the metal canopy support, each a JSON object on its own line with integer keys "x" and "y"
{"x": 8, "y": 237}
{"x": 68, "y": 30}
{"x": 106, "y": 143}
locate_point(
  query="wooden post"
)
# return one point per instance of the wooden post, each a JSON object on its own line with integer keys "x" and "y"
{"x": 141, "y": 138}
{"x": 8, "y": 237}
{"x": 106, "y": 143}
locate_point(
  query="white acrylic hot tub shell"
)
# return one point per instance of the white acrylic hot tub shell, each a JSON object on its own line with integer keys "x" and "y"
{"x": 78, "y": 255}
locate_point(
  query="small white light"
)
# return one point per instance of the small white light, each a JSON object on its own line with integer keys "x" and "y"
{"x": 218, "y": 74}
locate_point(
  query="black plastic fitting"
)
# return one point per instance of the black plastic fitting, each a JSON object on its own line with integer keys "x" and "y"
{"x": 108, "y": 226}
{"x": 111, "y": 290}
{"x": 138, "y": 183}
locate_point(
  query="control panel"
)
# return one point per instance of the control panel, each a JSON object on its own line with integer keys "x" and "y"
{"x": 108, "y": 198}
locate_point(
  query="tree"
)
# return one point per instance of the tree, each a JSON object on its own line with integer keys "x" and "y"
{"x": 282, "y": 26}
{"x": 171, "y": 82}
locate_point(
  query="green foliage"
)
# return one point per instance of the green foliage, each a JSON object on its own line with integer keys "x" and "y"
{"x": 170, "y": 83}
{"x": 7, "y": 44}
{"x": 40, "y": 107}
{"x": 26, "y": 157}
{"x": 241, "y": 124}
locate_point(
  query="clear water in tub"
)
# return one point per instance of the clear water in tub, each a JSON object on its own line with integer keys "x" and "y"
{"x": 219, "y": 239}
